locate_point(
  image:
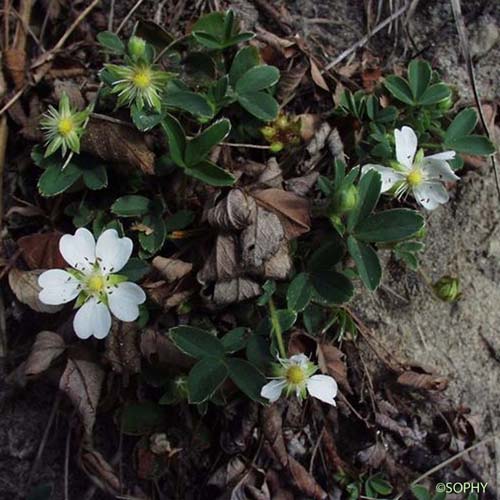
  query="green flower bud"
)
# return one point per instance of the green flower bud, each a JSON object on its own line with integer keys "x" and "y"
{"x": 136, "y": 47}
{"x": 447, "y": 289}
{"x": 282, "y": 122}
{"x": 446, "y": 104}
{"x": 276, "y": 147}
{"x": 184, "y": 308}
{"x": 268, "y": 132}
{"x": 345, "y": 200}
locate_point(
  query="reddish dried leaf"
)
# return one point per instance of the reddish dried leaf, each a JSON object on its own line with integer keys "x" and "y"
{"x": 41, "y": 251}
{"x": 331, "y": 361}
{"x": 318, "y": 77}
{"x": 122, "y": 349}
{"x": 100, "y": 471}
{"x": 424, "y": 381}
{"x": 292, "y": 210}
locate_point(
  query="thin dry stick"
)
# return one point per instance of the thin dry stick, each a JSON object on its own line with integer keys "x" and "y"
{"x": 447, "y": 462}
{"x": 75, "y": 24}
{"x": 129, "y": 15}
{"x": 66, "y": 463}
{"x": 464, "y": 43}
{"x": 365, "y": 39}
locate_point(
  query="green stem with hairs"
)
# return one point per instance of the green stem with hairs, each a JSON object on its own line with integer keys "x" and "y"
{"x": 275, "y": 323}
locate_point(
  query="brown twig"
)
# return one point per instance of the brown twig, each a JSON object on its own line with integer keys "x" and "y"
{"x": 360, "y": 43}
{"x": 129, "y": 15}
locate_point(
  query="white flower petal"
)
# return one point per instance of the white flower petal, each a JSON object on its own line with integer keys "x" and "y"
{"x": 445, "y": 155}
{"x": 431, "y": 194}
{"x": 78, "y": 250}
{"x": 272, "y": 390}
{"x": 389, "y": 175}
{"x": 92, "y": 319}
{"x": 322, "y": 387}
{"x": 112, "y": 251}
{"x": 124, "y": 300}
{"x": 406, "y": 146}
{"x": 57, "y": 287}
{"x": 299, "y": 359}
{"x": 438, "y": 170}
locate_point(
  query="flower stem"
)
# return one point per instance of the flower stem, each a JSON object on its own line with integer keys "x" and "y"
{"x": 275, "y": 322}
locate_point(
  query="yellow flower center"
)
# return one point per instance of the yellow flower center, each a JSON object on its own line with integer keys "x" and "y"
{"x": 295, "y": 375}
{"x": 142, "y": 78}
{"x": 65, "y": 126}
{"x": 96, "y": 283}
{"x": 415, "y": 177}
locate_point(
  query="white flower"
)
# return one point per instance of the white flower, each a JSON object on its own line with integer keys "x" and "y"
{"x": 422, "y": 175}
{"x": 296, "y": 375}
{"x": 93, "y": 280}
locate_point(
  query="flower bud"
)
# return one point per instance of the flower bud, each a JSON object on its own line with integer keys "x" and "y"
{"x": 276, "y": 147}
{"x": 447, "y": 289}
{"x": 345, "y": 200}
{"x": 268, "y": 132}
{"x": 446, "y": 104}
{"x": 136, "y": 47}
{"x": 282, "y": 122}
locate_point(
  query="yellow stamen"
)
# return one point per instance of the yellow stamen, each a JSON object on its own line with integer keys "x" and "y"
{"x": 295, "y": 375}
{"x": 65, "y": 126}
{"x": 415, "y": 177}
{"x": 96, "y": 283}
{"x": 142, "y": 78}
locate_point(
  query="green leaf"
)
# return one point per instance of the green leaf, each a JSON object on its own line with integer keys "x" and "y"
{"x": 142, "y": 418}
{"x": 333, "y": 287}
{"x": 245, "y": 58}
{"x": 367, "y": 262}
{"x": 206, "y": 376}
{"x": 299, "y": 293}
{"x": 257, "y": 78}
{"x": 434, "y": 94}
{"x": 145, "y": 119}
{"x": 212, "y": 23}
{"x": 131, "y": 206}
{"x": 154, "y": 241}
{"x": 198, "y": 148}
{"x": 260, "y": 104}
{"x": 55, "y": 181}
{"x": 473, "y": 145}
{"x": 154, "y": 34}
{"x": 390, "y": 225}
{"x": 211, "y": 174}
{"x": 196, "y": 342}
{"x": 286, "y": 319}
{"x": 208, "y": 40}
{"x": 176, "y": 139}
{"x": 369, "y": 192}
{"x": 95, "y": 177}
{"x": 135, "y": 269}
{"x": 180, "y": 220}
{"x": 463, "y": 124}
{"x": 420, "y": 492}
{"x": 193, "y": 103}
{"x": 327, "y": 255}
{"x": 381, "y": 486}
{"x": 111, "y": 42}
{"x": 399, "y": 88}
{"x": 258, "y": 352}
{"x": 235, "y": 339}
{"x": 246, "y": 377}
{"x": 419, "y": 76}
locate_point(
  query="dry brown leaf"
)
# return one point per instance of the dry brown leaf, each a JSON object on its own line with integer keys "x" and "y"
{"x": 290, "y": 80}
{"x": 154, "y": 345}
{"x": 234, "y": 212}
{"x": 318, "y": 77}
{"x": 82, "y": 381}
{"x": 122, "y": 349}
{"x": 309, "y": 124}
{"x": 292, "y": 210}
{"x": 424, "y": 381}
{"x": 47, "y": 347}
{"x": 302, "y": 185}
{"x": 41, "y": 251}
{"x": 331, "y": 361}
{"x": 223, "y": 262}
{"x": 172, "y": 269}
{"x": 235, "y": 290}
{"x": 279, "y": 266}
{"x": 118, "y": 143}
{"x": 304, "y": 481}
{"x": 25, "y": 286}
{"x": 15, "y": 63}
{"x": 261, "y": 240}
{"x": 271, "y": 176}
{"x": 100, "y": 471}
